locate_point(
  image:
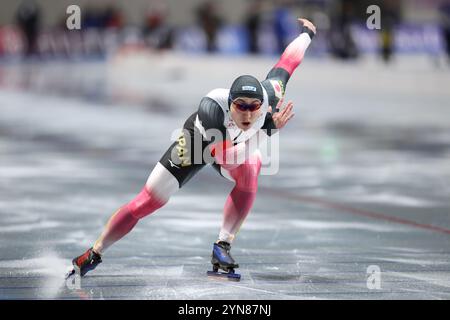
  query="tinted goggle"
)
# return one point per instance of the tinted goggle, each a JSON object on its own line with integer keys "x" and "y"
{"x": 242, "y": 106}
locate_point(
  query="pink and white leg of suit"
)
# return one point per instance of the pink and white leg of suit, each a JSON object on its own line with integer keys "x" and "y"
{"x": 161, "y": 185}
{"x": 241, "y": 199}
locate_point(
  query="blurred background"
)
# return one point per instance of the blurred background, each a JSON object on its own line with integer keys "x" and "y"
{"x": 125, "y": 34}
{"x": 126, "y": 39}
{"x": 85, "y": 114}
{"x": 37, "y": 28}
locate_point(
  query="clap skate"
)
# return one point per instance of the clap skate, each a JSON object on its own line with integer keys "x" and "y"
{"x": 86, "y": 262}
{"x": 221, "y": 259}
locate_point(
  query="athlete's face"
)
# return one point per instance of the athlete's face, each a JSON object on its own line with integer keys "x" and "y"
{"x": 245, "y": 111}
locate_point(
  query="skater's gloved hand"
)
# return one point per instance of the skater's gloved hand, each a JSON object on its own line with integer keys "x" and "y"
{"x": 308, "y": 24}
{"x": 284, "y": 115}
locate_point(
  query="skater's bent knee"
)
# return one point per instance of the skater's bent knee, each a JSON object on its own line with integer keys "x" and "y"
{"x": 145, "y": 203}
{"x": 246, "y": 176}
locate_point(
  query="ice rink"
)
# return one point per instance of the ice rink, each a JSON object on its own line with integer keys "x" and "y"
{"x": 363, "y": 182}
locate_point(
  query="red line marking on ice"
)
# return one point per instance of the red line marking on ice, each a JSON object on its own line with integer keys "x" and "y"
{"x": 348, "y": 209}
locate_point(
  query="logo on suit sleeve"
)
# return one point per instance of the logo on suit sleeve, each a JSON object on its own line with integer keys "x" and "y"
{"x": 278, "y": 88}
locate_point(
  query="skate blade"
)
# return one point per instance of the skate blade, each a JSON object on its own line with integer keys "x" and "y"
{"x": 224, "y": 275}
{"x": 69, "y": 274}
{"x": 71, "y": 271}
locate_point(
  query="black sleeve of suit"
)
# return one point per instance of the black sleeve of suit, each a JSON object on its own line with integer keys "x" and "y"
{"x": 269, "y": 125}
{"x": 273, "y": 99}
{"x": 280, "y": 73}
{"x": 211, "y": 116}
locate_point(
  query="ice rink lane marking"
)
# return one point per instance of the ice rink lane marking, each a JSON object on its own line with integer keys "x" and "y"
{"x": 253, "y": 289}
{"x": 351, "y": 210}
{"x": 309, "y": 272}
{"x": 154, "y": 285}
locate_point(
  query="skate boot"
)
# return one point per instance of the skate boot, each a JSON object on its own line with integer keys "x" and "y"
{"x": 221, "y": 259}
{"x": 86, "y": 262}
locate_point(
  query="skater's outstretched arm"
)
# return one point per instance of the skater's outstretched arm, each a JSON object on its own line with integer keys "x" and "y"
{"x": 290, "y": 59}
{"x": 279, "y": 75}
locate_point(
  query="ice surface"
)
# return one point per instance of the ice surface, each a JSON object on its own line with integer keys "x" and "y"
{"x": 77, "y": 140}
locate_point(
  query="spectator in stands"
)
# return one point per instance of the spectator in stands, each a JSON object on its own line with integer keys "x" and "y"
{"x": 342, "y": 44}
{"x": 445, "y": 23}
{"x": 157, "y": 33}
{"x": 253, "y": 22}
{"x": 28, "y": 18}
{"x": 210, "y": 21}
{"x": 390, "y": 15}
{"x": 281, "y": 19}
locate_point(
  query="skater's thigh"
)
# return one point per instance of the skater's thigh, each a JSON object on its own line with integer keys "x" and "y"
{"x": 162, "y": 182}
{"x": 177, "y": 165}
{"x": 251, "y": 167}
